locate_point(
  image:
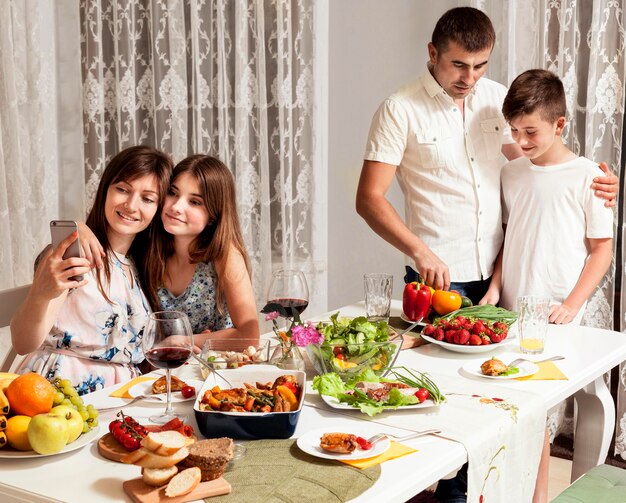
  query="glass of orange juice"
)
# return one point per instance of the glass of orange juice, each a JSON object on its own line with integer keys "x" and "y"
{"x": 532, "y": 323}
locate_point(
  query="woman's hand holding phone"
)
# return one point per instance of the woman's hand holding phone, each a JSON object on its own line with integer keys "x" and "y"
{"x": 53, "y": 273}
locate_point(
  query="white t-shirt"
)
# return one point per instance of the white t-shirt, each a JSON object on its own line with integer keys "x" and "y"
{"x": 448, "y": 169}
{"x": 550, "y": 212}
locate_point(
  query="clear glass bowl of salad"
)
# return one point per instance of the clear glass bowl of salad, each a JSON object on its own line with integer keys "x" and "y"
{"x": 352, "y": 345}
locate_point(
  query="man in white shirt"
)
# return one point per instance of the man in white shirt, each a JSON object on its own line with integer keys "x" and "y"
{"x": 443, "y": 135}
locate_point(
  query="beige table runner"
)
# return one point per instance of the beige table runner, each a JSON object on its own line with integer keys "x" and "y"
{"x": 502, "y": 430}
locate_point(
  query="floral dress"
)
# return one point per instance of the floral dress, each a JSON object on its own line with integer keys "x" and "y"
{"x": 94, "y": 343}
{"x": 198, "y": 301}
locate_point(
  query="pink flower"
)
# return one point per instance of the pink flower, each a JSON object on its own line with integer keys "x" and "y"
{"x": 271, "y": 316}
{"x": 303, "y": 335}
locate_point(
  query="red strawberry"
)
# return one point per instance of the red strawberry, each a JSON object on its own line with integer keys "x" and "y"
{"x": 429, "y": 330}
{"x": 439, "y": 334}
{"x": 463, "y": 336}
{"x": 475, "y": 340}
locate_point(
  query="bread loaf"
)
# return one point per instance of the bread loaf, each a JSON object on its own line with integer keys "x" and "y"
{"x": 211, "y": 456}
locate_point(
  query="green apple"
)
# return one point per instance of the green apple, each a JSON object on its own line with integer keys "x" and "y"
{"x": 73, "y": 418}
{"x": 48, "y": 433}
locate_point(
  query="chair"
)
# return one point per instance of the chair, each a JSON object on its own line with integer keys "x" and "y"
{"x": 10, "y": 300}
{"x": 604, "y": 483}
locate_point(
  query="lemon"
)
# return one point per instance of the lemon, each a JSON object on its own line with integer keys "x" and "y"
{"x": 17, "y": 433}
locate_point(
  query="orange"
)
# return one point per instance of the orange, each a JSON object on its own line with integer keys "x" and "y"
{"x": 30, "y": 394}
{"x": 17, "y": 433}
{"x": 445, "y": 302}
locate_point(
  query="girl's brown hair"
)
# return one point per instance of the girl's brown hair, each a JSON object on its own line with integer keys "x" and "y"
{"x": 217, "y": 187}
{"x": 128, "y": 165}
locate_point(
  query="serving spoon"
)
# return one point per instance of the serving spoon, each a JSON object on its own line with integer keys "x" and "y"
{"x": 211, "y": 368}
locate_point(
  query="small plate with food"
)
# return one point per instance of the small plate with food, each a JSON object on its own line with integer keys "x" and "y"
{"x": 352, "y": 445}
{"x": 495, "y": 368}
{"x": 155, "y": 391}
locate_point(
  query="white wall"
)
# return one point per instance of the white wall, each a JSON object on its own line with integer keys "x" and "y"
{"x": 374, "y": 48}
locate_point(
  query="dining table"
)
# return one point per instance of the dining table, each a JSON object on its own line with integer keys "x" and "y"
{"x": 589, "y": 353}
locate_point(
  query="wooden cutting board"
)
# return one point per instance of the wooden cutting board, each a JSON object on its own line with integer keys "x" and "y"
{"x": 143, "y": 493}
{"x": 110, "y": 448}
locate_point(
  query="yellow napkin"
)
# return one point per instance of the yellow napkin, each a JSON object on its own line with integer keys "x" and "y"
{"x": 396, "y": 450}
{"x": 548, "y": 371}
{"x": 122, "y": 392}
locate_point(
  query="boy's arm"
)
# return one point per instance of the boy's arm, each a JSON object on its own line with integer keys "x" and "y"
{"x": 595, "y": 268}
{"x": 492, "y": 296}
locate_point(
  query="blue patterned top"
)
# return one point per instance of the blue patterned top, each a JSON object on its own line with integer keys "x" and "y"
{"x": 198, "y": 301}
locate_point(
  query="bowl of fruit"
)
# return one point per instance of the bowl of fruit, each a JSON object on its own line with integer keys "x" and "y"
{"x": 352, "y": 345}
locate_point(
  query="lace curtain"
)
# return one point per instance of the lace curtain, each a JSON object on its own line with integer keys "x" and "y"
{"x": 40, "y": 167}
{"x": 583, "y": 43}
{"x": 230, "y": 78}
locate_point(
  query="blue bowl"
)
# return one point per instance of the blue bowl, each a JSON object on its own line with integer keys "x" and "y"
{"x": 248, "y": 425}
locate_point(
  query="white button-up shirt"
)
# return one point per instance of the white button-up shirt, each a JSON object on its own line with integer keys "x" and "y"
{"x": 448, "y": 169}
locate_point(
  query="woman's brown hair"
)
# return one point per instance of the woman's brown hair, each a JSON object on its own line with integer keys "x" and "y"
{"x": 128, "y": 165}
{"x": 217, "y": 187}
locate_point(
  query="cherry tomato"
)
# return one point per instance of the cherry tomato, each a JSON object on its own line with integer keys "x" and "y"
{"x": 422, "y": 394}
{"x": 188, "y": 391}
{"x": 341, "y": 356}
{"x": 363, "y": 444}
{"x": 337, "y": 350}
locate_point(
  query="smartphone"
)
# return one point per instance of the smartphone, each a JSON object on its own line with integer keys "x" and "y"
{"x": 59, "y": 230}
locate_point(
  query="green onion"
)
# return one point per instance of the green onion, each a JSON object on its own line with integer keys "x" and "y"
{"x": 419, "y": 380}
{"x": 486, "y": 312}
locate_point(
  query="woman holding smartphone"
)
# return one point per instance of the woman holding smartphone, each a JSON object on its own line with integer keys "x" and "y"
{"x": 89, "y": 331}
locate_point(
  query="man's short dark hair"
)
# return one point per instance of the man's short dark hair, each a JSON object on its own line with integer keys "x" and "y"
{"x": 468, "y": 27}
{"x": 535, "y": 91}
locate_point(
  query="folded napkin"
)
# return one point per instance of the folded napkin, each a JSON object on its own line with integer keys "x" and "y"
{"x": 396, "y": 450}
{"x": 122, "y": 391}
{"x": 548, "y": 371}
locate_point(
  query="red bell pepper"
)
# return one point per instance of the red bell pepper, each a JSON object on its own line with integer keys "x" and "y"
{"x": 416, "y": 301}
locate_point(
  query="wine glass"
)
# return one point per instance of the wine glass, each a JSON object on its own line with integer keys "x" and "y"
{"x": 167, "y": 344}
{"x": 289, "y": 289}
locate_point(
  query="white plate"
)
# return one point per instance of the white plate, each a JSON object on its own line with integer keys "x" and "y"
{"x": 310, "y": 443}
{"x": 336, "y": 404}
{"x": 84, "y": 439}
{"x": 145, "y": 388}
{"x": 525, "y": 369}
{"x": 458, "y": 348}
{"x": 405, "y": 319}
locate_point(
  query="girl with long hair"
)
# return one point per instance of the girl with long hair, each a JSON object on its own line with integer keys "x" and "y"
{"x": 197, "y": 262}
{"x": 90, "y": 331}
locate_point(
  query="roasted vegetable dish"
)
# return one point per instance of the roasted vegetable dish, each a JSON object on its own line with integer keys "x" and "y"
{"x": 283, "y": 395}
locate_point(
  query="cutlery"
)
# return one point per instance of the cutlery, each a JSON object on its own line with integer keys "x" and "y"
{"x": 410, "y": 327}
{"x": 381, "y": 436}
{"x": 520, "y": 360}
{"x": 211, "y": 369}
{"x": 135, "y": 399}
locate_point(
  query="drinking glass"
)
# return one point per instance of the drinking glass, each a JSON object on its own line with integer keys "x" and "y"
{"x": 167, "y": 344}
{"x": 378, "y": 289}
{"x": 532, "y": 323}
{"x": 289, "y": 289}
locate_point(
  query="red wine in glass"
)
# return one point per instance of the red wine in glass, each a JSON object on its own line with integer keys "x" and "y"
{"x": 298, "y": 304}
{"x": 168, "y": 358}
{"x": 289, "y": 289}
{"x": 167, "y": 344}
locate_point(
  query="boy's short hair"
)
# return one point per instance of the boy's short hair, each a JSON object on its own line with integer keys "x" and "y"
{"x": 535, "y": 91}
{"x": 466, "y": 26}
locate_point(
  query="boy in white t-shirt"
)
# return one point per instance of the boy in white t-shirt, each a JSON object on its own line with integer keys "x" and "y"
{"x": 558, "y": 239}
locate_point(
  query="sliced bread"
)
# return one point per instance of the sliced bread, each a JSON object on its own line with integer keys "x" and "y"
{"x": 158, "y": 476}
{"x": 164, "y": 443}
{"x": 148, "y": 459}
{"x": 210, "y": 454}
{"x": 183, "y": 483}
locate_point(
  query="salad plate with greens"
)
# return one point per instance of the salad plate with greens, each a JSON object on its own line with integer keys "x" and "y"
{"x": 372, "y": 394}
{"x": 353, "y": 345}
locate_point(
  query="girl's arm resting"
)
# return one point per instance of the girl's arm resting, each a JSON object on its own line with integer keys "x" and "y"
{"x": 595, "y": 268}
{"x": 239, "y": 297}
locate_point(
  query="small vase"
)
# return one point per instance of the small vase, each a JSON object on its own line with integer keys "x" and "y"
{"x": 287, "y": 356}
